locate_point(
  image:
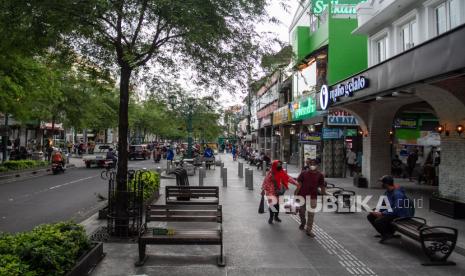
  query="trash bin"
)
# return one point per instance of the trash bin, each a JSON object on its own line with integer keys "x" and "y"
{"x": 360, "y": 181}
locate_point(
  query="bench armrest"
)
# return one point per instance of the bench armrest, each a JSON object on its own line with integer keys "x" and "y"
{"x": 330, "y": 185}
{"x": 421, "y": 220}
{"x": 453, "y": 230}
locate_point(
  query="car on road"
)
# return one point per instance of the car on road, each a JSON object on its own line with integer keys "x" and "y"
{"x": 139, "y": 152}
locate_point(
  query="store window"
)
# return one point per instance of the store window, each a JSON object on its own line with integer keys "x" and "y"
{"x": 381, "y": 49}
{"x": 409, "y": 35}
{"x": 447, "y": 16}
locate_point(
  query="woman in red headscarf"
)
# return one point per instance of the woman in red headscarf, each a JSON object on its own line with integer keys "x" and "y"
{"x": 276, "y": 182}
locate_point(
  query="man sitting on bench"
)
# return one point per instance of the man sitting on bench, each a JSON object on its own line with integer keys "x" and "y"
{"x": 400, "y": 206}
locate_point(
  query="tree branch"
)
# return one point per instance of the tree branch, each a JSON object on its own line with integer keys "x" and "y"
{"x": 139, "y": 24}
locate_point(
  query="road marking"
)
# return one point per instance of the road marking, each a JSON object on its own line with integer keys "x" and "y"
{"x": 71, "y": 182}
{"x": 346, "y": 259}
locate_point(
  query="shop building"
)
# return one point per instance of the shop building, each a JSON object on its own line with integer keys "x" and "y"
{"x": 416, "y": 79}
{"x": 266, "y": 103}
{"x": 326, "y": 52}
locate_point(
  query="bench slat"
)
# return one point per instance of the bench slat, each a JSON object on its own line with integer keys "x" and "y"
{"x": 193, "y": 202}
{"x": 190, "y": 194}
{"x": 185, "y": 212}
{"x": 184, "y": 218}
{"x": 183, "y": 207}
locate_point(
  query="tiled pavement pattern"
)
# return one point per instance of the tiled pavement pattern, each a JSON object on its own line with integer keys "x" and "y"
{"x": 344, "y": 244}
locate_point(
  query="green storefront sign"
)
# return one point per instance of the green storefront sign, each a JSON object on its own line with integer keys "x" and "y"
{"x": 303, "y": 109}
{"x": 337, "y": 6}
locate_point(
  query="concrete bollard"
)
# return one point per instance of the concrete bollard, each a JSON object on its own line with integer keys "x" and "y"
{"x": 285, "y": 165}
{"x": 225, "y": 176}
{"x": 168, "y": 167}
{"x": 201, "y": 175}
{"x": 221, "y": 172}
{"x": 246, "y": 179}
{"x": 250, "y": 187}
{"x": 240, "y": 168}
{"x": 263, "y": 171}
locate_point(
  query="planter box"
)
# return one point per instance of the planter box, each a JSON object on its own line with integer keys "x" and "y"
{"x": 360, "y": 181}
{"x": 17, "y": 173}
{"x": 447, "y": 207}
{"x": 102, "y": 213}
{"x": 88, "y": 261}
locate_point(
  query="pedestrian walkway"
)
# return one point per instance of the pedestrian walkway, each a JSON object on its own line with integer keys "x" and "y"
{"x": 344, "y": 244}
{"x": 420, "y": 193}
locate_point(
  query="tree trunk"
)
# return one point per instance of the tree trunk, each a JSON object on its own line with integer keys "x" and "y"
{"x": 122, "y": 173}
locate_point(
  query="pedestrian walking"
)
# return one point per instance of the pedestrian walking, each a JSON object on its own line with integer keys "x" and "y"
{"x": 274, "y": 185}
{"x": 170, "y": 155}
{"x": 309, "y": 182}
{"x": 411, "y": 163}
{"x": 233, "y": 151}
{"x": 208, "y": 156}
{"x": 351, "y": 161}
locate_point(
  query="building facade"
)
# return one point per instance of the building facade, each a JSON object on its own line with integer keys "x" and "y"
{"x": 416, "y": 79}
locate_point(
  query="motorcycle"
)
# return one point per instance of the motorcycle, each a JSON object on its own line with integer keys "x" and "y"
{"x": 57, "y": 167}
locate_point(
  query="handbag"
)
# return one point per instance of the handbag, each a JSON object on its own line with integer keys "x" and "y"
{"x": 261, "y": 206}
{"x": 280, "y": 191}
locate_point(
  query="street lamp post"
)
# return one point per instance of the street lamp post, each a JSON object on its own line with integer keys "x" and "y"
{"x": 189, "y": 106}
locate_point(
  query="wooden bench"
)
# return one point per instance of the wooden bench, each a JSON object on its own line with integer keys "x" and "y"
{"x": 437, "y": 242}
{"x": 190, "y": 195}
{"x": 200, "y": 235}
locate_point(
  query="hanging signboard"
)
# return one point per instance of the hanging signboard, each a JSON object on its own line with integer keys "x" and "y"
{"x": 303, "y": 109}
{"x": 310, "y": 151}
{"x": 405, "y": 123}
{"x": 282, "y": 115}
{"x": 350, "y": 132}
{"x": 312, "y": 137}
{"x": 265, "y": 121}
{"x": 341, "y": 118}
{"x": 332, "y": 133}
{"x": 329, "y": 95}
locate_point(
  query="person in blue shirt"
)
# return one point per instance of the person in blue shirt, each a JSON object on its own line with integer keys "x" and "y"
{"x": 233, "y": 151}
{"x": 399, "y": 207}
{"x": 208, "y": 156}
{"x": 170, "y": 155}
{"x": 208, "y": 153}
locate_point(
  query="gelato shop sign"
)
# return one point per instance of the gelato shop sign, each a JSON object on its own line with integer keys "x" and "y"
{"x": 328, "y": 96}
{"x": 337, "y": 6}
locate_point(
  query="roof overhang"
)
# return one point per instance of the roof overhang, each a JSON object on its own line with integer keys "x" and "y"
{"x": 439, "y": 58}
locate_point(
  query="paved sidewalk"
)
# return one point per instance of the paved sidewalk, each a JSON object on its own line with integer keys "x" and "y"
{"x": 420, "y": 193}
{"x": 344, "y": 244}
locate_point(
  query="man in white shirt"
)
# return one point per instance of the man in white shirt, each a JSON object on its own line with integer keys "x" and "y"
{"x": 351, "y": 161}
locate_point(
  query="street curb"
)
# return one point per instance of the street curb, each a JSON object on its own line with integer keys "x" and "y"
{"x": 25, "y": 174}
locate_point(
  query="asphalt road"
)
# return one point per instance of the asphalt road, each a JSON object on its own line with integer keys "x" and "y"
{"x": 45, "y": 199}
